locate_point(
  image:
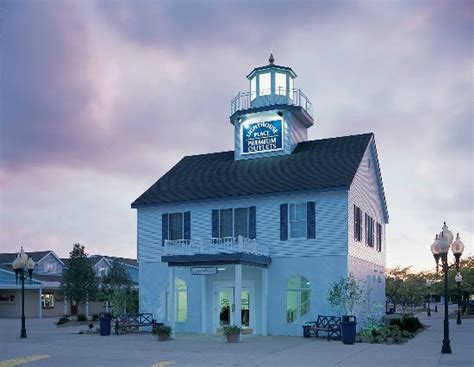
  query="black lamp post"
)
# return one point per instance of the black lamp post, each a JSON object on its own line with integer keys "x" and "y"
{"x": 440, "y": 249}
{"x": 458, "y": 279}
{"x": 428, "y": 285}
{"x": 23, "y": 266}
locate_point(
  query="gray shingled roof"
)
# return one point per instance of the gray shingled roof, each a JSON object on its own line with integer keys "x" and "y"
{"x": 317, "y": 164}
{"x": 9, "y": 257}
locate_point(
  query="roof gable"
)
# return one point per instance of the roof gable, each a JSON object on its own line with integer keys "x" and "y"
{"x": 314, "y": 165}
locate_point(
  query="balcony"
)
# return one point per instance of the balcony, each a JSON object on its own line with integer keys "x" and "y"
{"x": 214, "y": 246}
{"x": 247, "y": 100}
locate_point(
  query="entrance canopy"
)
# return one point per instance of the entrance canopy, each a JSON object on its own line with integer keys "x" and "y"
{"x": 260, "y": 261}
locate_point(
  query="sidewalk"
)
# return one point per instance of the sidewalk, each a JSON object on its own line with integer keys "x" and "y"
{"x": 50, "y": 346}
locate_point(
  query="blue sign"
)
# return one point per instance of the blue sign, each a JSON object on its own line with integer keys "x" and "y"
{"x": 263, "y": 136}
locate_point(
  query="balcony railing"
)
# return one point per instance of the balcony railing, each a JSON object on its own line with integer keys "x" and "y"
{"x": 246, "y": 100}
{"x": 226, "y": 245}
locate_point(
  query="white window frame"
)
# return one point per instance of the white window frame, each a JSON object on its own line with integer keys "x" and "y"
{"x": 298, "y": 291}
{"x": 182, "y": 225}
{"x": 47, "y": 304}
{"x": 177, "y": 291}
{"x": 261, "y": 82}
{"x": 282, "y": 90}
{"x": 253, "y": 88}
{"x": 305, "y": 220}
{"x": 233, "y": 221}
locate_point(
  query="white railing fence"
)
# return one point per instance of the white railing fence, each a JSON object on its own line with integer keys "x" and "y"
{"x": 225, "y": 245}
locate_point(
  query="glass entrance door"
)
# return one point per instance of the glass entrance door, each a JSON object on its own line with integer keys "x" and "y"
{"x": 225, "y": 307}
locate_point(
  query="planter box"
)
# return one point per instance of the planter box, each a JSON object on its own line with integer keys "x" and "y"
{"x": 233, "y": 338}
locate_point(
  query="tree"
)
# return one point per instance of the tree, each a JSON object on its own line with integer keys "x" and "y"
{"x": 406, "y": 289}
{"x": 79, "y": 283}
{"x": 345, "y": 294}
{"x": 118, "y": 289}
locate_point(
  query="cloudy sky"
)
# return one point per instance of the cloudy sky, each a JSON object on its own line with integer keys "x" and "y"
{"x": 99, "y": 99}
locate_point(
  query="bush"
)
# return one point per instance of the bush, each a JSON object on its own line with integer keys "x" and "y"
{"x": 407, "y": 323}
{"x": 81, "y": 317}
{"x": 411, "y": 324}
{"x": 162, "y": 330}
{"x": 62, "y": 320}
{"x": 384, "y": 334}
{"x": 95, "y": 317}
{"x": 232, "y": 330}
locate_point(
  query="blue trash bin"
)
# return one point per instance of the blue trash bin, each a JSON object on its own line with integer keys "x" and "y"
{"x": 348, "y": 329}
{"x": 105, "y": 326}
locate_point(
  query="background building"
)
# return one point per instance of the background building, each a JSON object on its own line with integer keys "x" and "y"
{"x": 42, "y": 298}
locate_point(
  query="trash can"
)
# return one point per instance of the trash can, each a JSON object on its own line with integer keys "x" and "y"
{"x": 348, "y": 329}
{"x": 105, "y": 325}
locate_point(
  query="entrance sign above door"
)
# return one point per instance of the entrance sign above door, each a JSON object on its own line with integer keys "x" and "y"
{"x": 203, "y": 270}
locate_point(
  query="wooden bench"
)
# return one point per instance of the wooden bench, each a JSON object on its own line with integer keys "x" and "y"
{"x": 329, "y": 324}
{"x": 127, "y": 321}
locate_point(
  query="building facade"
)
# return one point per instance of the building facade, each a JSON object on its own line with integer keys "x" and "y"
{"x": 42, "y": 297}
{"x": 254, "y": 237}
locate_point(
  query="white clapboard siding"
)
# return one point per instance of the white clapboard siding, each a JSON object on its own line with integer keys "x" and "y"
{"x": 331, "y": 224}
{"x": 365, "y": 192}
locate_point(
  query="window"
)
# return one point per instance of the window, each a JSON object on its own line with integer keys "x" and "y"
{"x": 241, "y": 222}
{"x": 369, "y": 230}
{"x": 298, "y": 298}
{"x": 265, "y": 84}
{"x": 280, "y": 84}
{"x": 379, "y": 237}
{"x": 225, "y": 222}
{"x": 49, "y": 267}
{"x": 102, "y": 271}
{"x": 297, "y": 222}
{"x": 180, "y": 301}
{"x": 253, "y": 88}
{"x": 357, "y": 224}
{"x": 176, "y": 226}
{"x": 290, "y": 88}
{"x": 234, "y": 222}
{"x": 47, "y": 300}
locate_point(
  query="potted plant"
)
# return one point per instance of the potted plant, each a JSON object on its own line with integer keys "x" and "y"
{"x": 232, "y": 333}
{"x": 344, "y": 295}
{"x": 163, "y": 332}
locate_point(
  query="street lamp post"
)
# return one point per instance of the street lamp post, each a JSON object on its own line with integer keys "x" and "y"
{"x": 428, "y": 285}
{"x": 23, "y": 266}
{"x": 458, "y": 279}
{"x": 440, "y": 249}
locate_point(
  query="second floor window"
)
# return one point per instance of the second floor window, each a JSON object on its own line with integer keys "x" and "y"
{"x": 175, "y": 227}
{"x": 379, "y": 237}
{"x": 297, "y": 220}
{"x": 369, "y": 230}
{"x": 49, "y": 267}
{"x": 357, "y": 223}
{"x": 234, "y": 222}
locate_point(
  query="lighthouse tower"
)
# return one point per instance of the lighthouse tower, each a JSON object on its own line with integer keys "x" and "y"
{"x": 273, "y": 116}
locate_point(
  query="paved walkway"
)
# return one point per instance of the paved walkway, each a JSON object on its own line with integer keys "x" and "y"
{"x": 47, "y": 345}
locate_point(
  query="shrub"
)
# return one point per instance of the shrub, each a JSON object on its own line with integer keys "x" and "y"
{"x": 62, "y": 320}
{"x": 95, "y": 317}
{"x": 81, "y": 317}
{"x": 384, "y": 334}
{"x": 162, "y": 330}
{"x": 407, "y": 323}
{"x": 232, "y": 330}
{"x": 411, "y": 324}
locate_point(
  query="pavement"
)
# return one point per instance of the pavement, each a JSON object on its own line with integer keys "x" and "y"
{"x": 48, "y": 345}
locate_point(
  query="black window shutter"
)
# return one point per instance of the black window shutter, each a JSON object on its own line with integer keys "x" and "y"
{"x": 164, "y": 228}
{"x": 187, "y": 225}
{"x": 311, "y": 219}
{"x": 215, "y": 223}
{"x": 283, "y": 222}
{"x": 252, "y": 222}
